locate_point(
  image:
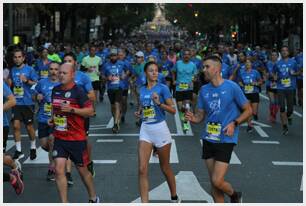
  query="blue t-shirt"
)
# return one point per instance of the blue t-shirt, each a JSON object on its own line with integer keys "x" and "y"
{"x": 83, "y": 80}
{"x": 6, "y": 92}
{"x": 42, "y": 69}
{"x": 152, "y": 113}
{"x": 247, "y": 78}
{"x": 44, "y": 87}
{"x": 165, "y": 68}
{"x": 269, "y": 70}
{"x": 221, "y": 106}
{"x": 115, "y": 70}
{"x": 225, "y": 71}
{"x": 22, "y": 91}
{"x": 128, "y": 66}
{"x": 184, "y": 75}
{"x": 197, "y": 62}
{"x": 241, "y": 67}
{"x": 299, "y": 61}
{"x": 225, "y": 59}
{"x": 284, "y": 79}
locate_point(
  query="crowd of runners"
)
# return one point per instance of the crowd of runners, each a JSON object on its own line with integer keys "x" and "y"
{"x": 57, "y": 88}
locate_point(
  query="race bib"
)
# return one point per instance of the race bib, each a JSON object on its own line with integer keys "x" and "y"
{"x": 286, "y": 82}
{"x": 44, "y": 73}
{"x": 213, "y": 131}
{"x": 60, "y": 123}
{"x": 18, "y": 92}
{"x": 248, "y": 88}
{"x": 47, "y": 109}
{"x": 115, "y": 80}
{"x": 165, "y": 73}
{"x": 148, "y": 112}
{"x": 183, "y": 86}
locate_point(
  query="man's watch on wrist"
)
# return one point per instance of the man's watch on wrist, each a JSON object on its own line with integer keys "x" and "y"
{"x": 236, "y": 123}
{"x": 72, "y": 110}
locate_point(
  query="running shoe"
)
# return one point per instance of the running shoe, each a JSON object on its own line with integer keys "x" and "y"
{"x": 17, "y": 183}
{"x": 95, "y": 201}
{"x": 18, "y": 168}
{"x": 176, "y": 200}
{"x": 91, "y": 168}
{"x": 249, "y": 129}
{"x": 185, "y": 127}
{"x": 18, "y": 155}
{"x": 237, "y": 198}
{"x": 115, "y": 129}
{"x": 69, "y": 179}
{"x": 32, "y": 154}
{"x": 51, "y": 175}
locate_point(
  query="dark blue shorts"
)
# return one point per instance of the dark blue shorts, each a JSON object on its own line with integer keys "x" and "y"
{"x": 75, "y": 150}
{"x": 44, "y": 130}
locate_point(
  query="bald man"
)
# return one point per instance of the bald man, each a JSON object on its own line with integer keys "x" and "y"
{"x": 219, "y": 105}
{"x": 70, "y": 107}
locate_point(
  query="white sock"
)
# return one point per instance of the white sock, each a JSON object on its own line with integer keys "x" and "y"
{"x": 18, "y": 146}
{"x": 33, "y": 144}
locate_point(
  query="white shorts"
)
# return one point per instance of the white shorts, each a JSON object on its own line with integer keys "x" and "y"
{"x": 158, "y": 134}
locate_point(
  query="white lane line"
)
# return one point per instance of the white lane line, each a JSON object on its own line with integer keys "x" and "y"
{"x": 260, "y": 131}
{"x": 234, "y": 158}
{"x": 110, "y": 123}
{"x": 42, "y": 157}
{"x": 109, "y": 140}
{"x": 279, "y": 163}
{"x": 294, "y": 112}
{"x": 102, "y": 128}
{"x": 173, "y": 155}
{"x": 118, "y": 135}
{"x": 245, "y": 124}
{"x": 265, "y": 142}
{"x": 105, "y": 161}
{"x": 178, "y": 124}
{"x": 10, "y": 144}
{"x": 98, "y": 125}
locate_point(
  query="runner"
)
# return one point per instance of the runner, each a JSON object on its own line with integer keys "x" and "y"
{"x": 115, "y": 71}
{"x": 70, "y": 107}
{"x": 271, "y": 87}
{"x": 250, "y": 80}
{"x": 84, "y": 81}
{"x": 22, "y": 78}
{"x": 219, "y": 105}
{"x": 42, "y": 64}
{"x": 182, "y": 74}
{"x": 155, "y": 99}
{"x": 52, "y": 55}
{"x": 285, "y": 72}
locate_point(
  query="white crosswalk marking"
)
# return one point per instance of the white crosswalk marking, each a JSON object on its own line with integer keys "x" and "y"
{"x": 279, "y": 163}
{"x": 261, "y": 132}
{"x": 10, "y": 144}
{"x": 109, "y": 140}
{"x": 110, "y": 123}
{"x": 265, "y": 142}
{"x": 173, "y": 155}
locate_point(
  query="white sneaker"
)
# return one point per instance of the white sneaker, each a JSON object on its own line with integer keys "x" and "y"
{"x": 176, "y": 201}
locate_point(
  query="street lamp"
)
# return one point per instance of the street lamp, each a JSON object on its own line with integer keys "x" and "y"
{"x": 175, "y": 21}
{"x": 196, "y": 14}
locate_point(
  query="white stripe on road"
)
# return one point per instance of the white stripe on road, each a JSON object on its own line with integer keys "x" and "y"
{"x": 294, "y": 112}
{"x": 109, "y": 140}
{"x": 234, "y": 158}
{"x": 177, "y": 119}
{"x": 10, "y": 144}
{"x": 105, "y": 161}
{"x": 301, "y": 188}
{"x": 42, "y": 157}
{"x": 97, "y": 128}
{"x": 110, "y": 123}
{"x": 98, "y": 125}
{"x": 260, "y": 131}
{"x": 278, "y": 163}
{"x": 173, "y": 155}
{"x": 265, "y": 142}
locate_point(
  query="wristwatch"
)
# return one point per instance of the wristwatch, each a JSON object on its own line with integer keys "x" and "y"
{"x": 72, "y": 110}
{"x": 159, "y": 104}
{"x": 236, "y": 123}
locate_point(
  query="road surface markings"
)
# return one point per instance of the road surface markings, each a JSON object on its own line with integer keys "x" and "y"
{"x": 188, "y": 189}
{"x": 110, "y": 123}
{"x": 279, "y": 163}
{"x": 173, "y": 155}
{"x": 265, "y": 142}
{"x": 260, "y": 131}
{"x": 109, "y": 140}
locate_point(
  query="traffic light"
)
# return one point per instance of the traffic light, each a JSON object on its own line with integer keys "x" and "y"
{"x": 234, "y": 35}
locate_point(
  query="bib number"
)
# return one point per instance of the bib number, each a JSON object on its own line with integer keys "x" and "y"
{"x": 248, "y": 88}
{"x": 60, "y": 123}
{"x": 148, "y": 113}
{"x": 47, "y": 109}
{"x": 115, "y": 80}
{"x": 18, "y": 92}
{"x": 183, "y": 86}
{"x": 286, "y": 82}
{"x": 44, "y": 73}
{"x": 213, "y": 131}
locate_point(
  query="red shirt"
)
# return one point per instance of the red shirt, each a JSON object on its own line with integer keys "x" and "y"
{"x": 69, "y": 126}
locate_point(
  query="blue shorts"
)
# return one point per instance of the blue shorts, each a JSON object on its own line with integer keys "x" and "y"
{"x": 44, "y": 130}
{"x": 75, "y": 150}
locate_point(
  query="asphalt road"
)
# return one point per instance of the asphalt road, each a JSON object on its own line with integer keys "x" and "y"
{"x": 266, "y": 166}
